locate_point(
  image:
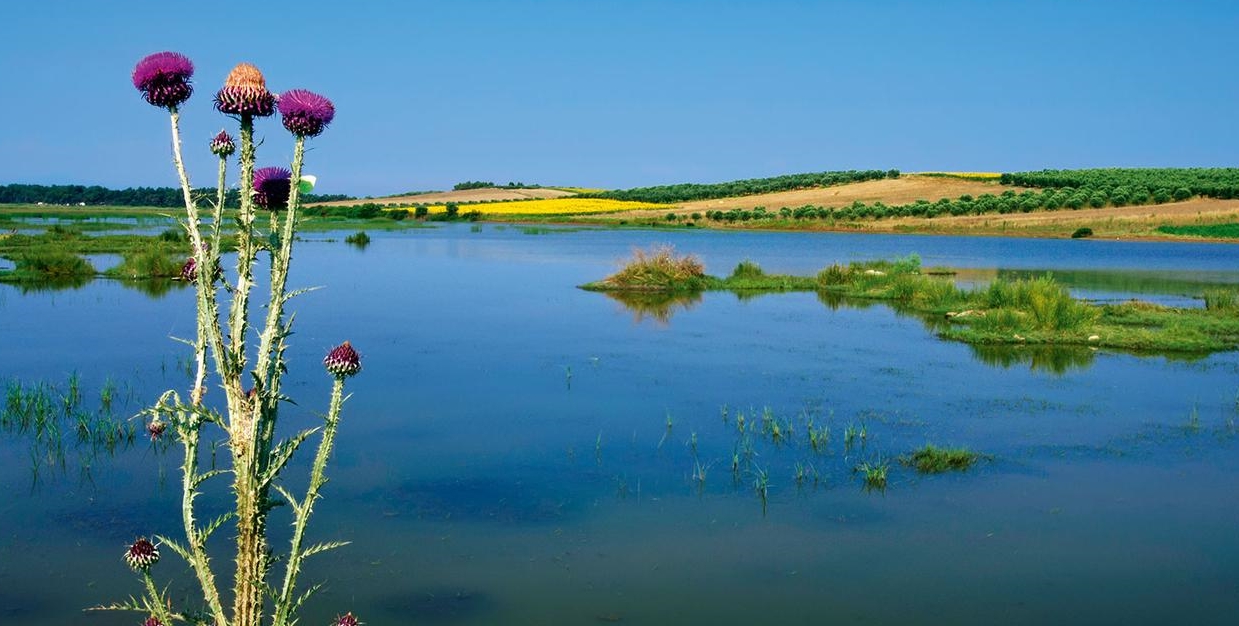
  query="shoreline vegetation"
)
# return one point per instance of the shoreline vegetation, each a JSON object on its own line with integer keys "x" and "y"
{"x": 1166, "y": 204}
{"x": 1035, "y": 311}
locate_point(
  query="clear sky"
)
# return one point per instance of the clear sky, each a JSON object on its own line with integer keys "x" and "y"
{"x": 628, "y": 92}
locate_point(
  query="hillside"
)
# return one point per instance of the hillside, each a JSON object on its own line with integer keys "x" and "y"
{"x": 902, "y": 190}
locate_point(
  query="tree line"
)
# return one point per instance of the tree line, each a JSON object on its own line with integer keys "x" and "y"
{"x": 687, "y": 192}
{"x": 94, "y": 195}
{"x": 1211, "y": 182}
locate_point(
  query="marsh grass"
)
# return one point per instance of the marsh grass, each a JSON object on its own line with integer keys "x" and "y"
{"x": 47, "y": 263}
{"x": 1222, "y": 300}
{"x": 55, "y": 424}
{"x": 931, "y": 459}
{"x": 658, "y": 269}
{"x": 874, "y": 474}
{"x": 1025, "y": 311}
{"x": 153, "y": 262}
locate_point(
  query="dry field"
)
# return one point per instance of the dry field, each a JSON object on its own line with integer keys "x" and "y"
{"x": 491, "y": 194}
{"x": 902, "y": 190}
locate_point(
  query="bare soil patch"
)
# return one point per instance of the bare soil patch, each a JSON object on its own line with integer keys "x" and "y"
{"x": 489, "y": 194}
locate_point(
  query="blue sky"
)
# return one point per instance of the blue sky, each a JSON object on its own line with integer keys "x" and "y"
{"x": 627, "y": 93}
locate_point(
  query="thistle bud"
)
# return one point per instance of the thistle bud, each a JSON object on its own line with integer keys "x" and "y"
{"x": 245, "y": 93}
{"x": 343, "y": 361}
{"x": 142, "y": 555}
{"x": 164, "y": 78}
{"x": 152, "y": 621}
{"x": 346, "y": 620}
{"x": 222, "y": 145}
{"x": 156, "y": 429}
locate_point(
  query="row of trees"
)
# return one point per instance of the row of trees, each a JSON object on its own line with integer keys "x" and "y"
{"x": 686, "y": 192}
{"x": 486, "y": 184}
{"x": 1212, "y": 182}
{"x": 1006, "y": 202}
{"x": 94, "y": 195}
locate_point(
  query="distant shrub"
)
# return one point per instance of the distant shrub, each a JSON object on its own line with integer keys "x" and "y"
{"x": 747, "y": 269}
{"x": 1082, "y": 232}
{"x": 398, "y": 214}
{"x": 359, "y": 239}
{"x": 1181, "y": 194}
{"x": 421, "y": 211}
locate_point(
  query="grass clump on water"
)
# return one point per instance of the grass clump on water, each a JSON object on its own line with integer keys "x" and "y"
{"x": 659, "y": 269}
{"x": 934, "y": 460}
{"x": 47, "y": 264}
{"x": 150, "y": 262}
{"x": 1025, "y": 311}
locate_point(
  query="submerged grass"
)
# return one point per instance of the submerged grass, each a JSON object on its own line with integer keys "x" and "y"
{"x": 934, "y": 460}
{"x": 1022, "y": 311}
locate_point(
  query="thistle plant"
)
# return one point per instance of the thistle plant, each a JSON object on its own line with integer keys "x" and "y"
{"x": 248, "y": 412}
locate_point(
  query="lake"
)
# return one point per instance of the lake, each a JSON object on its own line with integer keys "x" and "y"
{"x": 519, "y": 451}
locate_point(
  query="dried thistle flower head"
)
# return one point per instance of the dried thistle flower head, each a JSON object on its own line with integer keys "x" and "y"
{"x": 164, "y": 78}
{"x": 222, "y": 145}
{"x": 305, "y": 113}
{"x": 245, "y": 93}
{"x": 142, "y": 555}
{"x": 343, "y": 361}
{"x": 156, "y": 429}
{"x": 271, "y": 187}
{"x": 346, "y": 620}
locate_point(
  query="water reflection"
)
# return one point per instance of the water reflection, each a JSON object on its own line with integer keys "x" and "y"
{"x": 654, "y": 305}
{"x": 59, "y": 283}
{"x": 1051, "y": 359}
{"x": 155, "y": 288}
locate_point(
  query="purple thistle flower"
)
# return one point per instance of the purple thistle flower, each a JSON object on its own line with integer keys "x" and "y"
{"x": 343, "y": 361}
{"x": 164, "y": 78}
{"x": 346, "y": 620}
{"x": 152, "y": 621}
{"x": 271, "y": 187}
{"x": 305, "y": 113}
{"x": 142, "y": 555}
{"x": 222, "y": 145}
{"x": 245, "y": 93}
{"x": 189, "y": 271}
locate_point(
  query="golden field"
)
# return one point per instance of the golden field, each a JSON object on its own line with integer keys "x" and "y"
{"x": 554, "y": 206}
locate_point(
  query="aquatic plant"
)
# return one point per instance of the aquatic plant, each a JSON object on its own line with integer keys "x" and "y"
{"x": 660, "y": 268}
{"x": 874, "y": 474}
{"x": 249, "y": 411}
{"x": 931, "y": 459}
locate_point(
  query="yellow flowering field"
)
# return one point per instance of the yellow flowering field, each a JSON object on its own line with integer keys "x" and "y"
{"x": 554, "y": 206}
{"x": 968, "y": 175}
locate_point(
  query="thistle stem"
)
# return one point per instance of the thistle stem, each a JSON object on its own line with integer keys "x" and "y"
{"x": 248, "y": 582}
{"x": 156, "y": 599}
{"x": 190, "y": 435}
{"x": 284, "y": 605}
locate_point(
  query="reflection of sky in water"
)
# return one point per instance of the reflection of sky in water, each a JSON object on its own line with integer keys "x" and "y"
{"x": 505, "y": 458}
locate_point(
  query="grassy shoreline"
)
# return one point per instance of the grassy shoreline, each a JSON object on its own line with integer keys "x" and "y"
{"x": 1024, "y": 311}
{"x": 1216, "y": 229}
